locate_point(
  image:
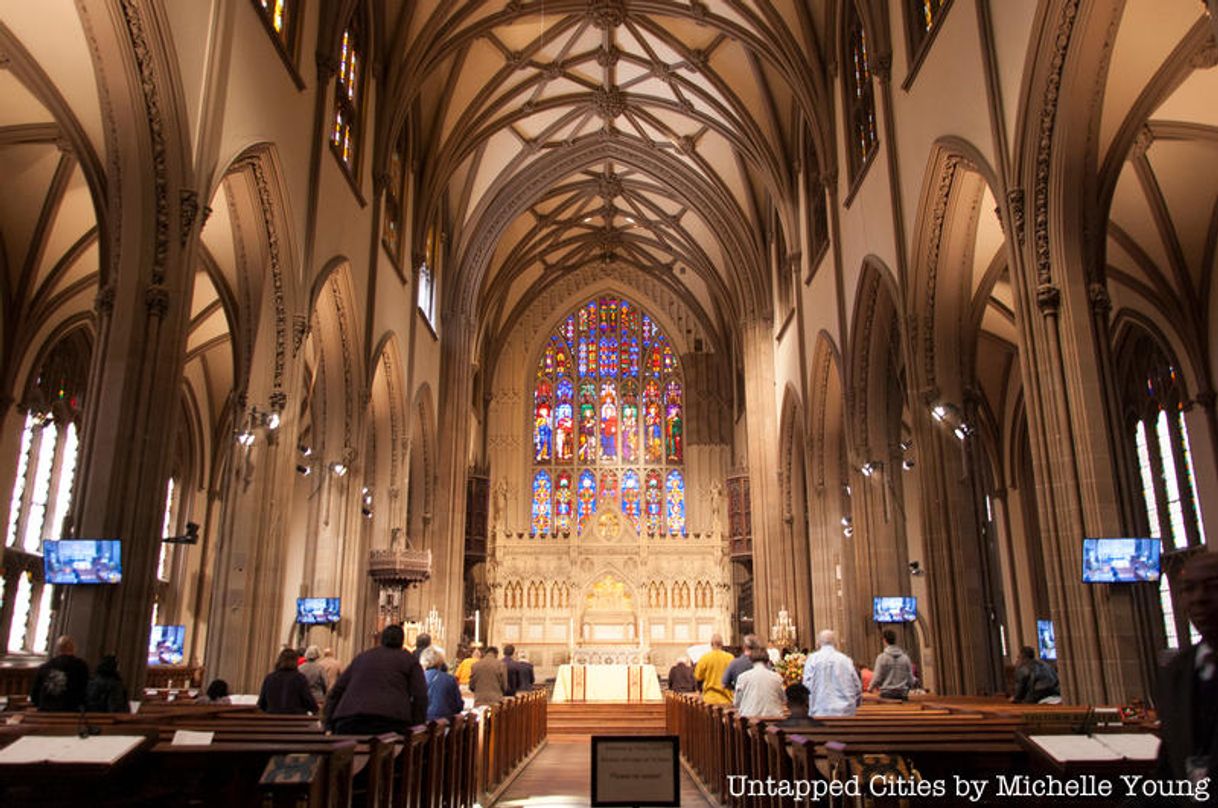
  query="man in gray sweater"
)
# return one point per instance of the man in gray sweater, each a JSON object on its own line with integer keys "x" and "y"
{"x": 893, "y": 670}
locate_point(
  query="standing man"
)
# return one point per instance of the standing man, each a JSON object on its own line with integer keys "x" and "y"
{"x": 893, "y": 675}
{"x": 382, "y": 690}
{"x": 1187, "y": 699}
{"x": 488, "y": 678}
{"x": 832, "y": 682}
{"x": 710, "y": 670}
{"x": 519, "y": 672}
{"x": 331, "y": 668}
{"x": 742, "y": 663}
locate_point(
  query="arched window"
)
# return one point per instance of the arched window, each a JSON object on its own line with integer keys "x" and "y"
{"x": 282, "y": 18}
{"x": 349, "y": 94}
{"x": 608, "y": 421}
{"x": 921, "y": 17}
{"x": 861, "y": 135}
{"x": 1155, "y": 425}
{"x": 395, "y": 190}
{"x": 41, "y": 497}
{"x": 427, "y": 266}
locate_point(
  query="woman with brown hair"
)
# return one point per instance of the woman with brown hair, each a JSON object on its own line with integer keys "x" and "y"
{"x": 285, "y": 690}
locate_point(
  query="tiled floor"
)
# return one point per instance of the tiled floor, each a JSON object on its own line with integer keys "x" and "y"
{"x": 561, "y": 776}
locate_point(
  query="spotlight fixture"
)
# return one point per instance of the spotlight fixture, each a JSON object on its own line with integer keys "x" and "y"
{"x": 963, "y": 431}
{"x": 245, "y": 438}
{"x": 915, "y": 569}
{"x": 339, "y": 469}
{"x": 905, "y": 445}
{"x": 907, "y": 464}
{"x": 870, "y": 467}
{"x": 939, "y": 412}
{"x": 305, "y": 451}
{"x": 848, "y": 532}
{"x": 303, "y": 470}
{"x": 191, "y": 536}
{"x": 846, "y": 520}
{"x": 272, "y": 421}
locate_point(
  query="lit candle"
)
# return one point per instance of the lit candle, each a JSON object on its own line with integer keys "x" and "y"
{"x": 477, "y": 623}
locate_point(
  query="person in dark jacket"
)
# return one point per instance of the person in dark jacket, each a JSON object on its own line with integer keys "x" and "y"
{"x": 519, "y": 672}
{"x": 488, "y": 679}
{"x": 382, "y": 690}
{"x": 106, "y": 692}
{"x": 443, "y": 693}
{"x": 742, "y": 663}
{"x": 681, "y": 677}
{"x": 217, "y": 693}
{"x": 1035, "y": 680}
{"x": 285, "y": 690}
{"x": 62, "y": 682}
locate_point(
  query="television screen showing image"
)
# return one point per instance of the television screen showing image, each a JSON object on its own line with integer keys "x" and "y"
{"x": 896, "y": 610}
{"x": 310, "y": 611}
{"x": 82, "y": 561}
{"x": 1118, "y": 561}
{"x": 167, "y": 645}
{"x": 1046, "y": 642}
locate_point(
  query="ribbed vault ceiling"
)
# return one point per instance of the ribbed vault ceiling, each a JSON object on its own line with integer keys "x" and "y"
{"x": 660, "y": 134}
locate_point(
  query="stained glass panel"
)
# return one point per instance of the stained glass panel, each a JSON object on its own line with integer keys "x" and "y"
{"x": 608, "y": 393}
{"x": 608, "y": 421}
{"x": 631, "y": 502}
{"x": 586, "y": 497}
{"x": 541, "y": 502}
{"x": 564, "y": 498}
{"x": 675, "y": 490}
{"x": 543, "y": 402}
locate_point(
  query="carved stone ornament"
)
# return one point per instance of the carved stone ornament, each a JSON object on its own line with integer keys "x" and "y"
{"x": 156, "y": 299}
{"x": 609, "y": 103}
{"x": 1048, "y": 298}
{"x": 188, "y": 209}
{"x": 606, "y": 14}
{"x": 300, "y": 328}
{"x": 1101, "y": 303}
{"x": 608, "y": 57}
{"x": 103, "y": 303}
{"x": 1015, "y": 199}
{"x": 609, "y": 186}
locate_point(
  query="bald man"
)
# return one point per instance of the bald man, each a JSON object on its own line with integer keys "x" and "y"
{"x": 1187, "y": 700}
{"x": 832, "y": 681}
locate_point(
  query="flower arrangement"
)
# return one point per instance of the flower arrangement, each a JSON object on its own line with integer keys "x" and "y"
{"x": 791, "y": 668}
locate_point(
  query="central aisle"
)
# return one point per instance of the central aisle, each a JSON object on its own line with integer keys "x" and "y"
{"x": 561, "y": 776}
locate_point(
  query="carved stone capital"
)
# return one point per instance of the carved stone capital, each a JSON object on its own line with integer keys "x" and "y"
{"x": 103, "y": 302}
{"x": 881, "y": 67}
{"x": 188, "y": 209}
{"x": 606, "y": 14}
{"x": 1097, "y": 294}
{"x": 278, "y": 401}
{"x": 1048, "y": 298}
{"x": 300, "y": 328}
{"x": 1141, "y": 143}
{"x": 156, "y": 300}
{"x": 1015, "y": 203}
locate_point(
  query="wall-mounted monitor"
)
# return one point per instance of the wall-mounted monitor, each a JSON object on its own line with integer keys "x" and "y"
{"x": 167, "y": 645}
{"x": 1120, "y": 561}
{"x": 1046, "y": 641}
{"x": 311, "y": 611}
{"x": 901, "y": 609}
{"x": 82, "y": 561}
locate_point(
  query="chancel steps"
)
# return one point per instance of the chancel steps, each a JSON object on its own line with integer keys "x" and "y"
{"x": 586, "y": 718}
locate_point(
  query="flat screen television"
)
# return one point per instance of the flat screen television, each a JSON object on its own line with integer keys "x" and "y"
{"x": 1120, "y": 561}
{"x": 1046, "y": 642}
{"x": 82, "y": 561}
{"x": 901, "y": 609}
{"x": 311, "y": 611}
{"x": 167, "y": 645}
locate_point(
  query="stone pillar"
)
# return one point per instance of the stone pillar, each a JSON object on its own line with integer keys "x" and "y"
{"x": 772, "y": 572}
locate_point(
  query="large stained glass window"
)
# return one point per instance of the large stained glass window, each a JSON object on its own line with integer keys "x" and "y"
{"x": 860, "y": 95}
{"x": 608, "y": 423}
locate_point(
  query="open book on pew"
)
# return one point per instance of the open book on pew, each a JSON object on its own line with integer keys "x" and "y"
{"x": 1113, "y": 747}
{"x": 96, "y": 749}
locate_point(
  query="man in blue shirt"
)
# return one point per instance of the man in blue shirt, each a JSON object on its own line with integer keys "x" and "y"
{"x": 832, "y": 681}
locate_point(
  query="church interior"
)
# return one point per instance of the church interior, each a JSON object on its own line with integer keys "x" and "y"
{"x": 600, "y": 327}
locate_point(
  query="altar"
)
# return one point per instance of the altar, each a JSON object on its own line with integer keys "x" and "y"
{"x": 577, "y": 682}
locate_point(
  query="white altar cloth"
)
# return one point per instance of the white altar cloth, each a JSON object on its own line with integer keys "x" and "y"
{"x": 607, "y": 683}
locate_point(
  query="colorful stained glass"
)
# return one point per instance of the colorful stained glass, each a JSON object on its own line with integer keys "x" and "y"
{"x": 674, "y": 428}
{"x": 541, "y": 502}
{"x": 564, "y": 421}
{"x": 608, "y": 421}
{"x": 630, "y": 422}
{"x": 609, "y": 393}
{"x": 608, "y": 487}
{"x": 585, "y": 497}
{"x": 587, "y": 422}
{"x": 543, "y": 404}
{"x": 564, "y": 498}
{"x": 652, "y": 502}
{"x": 631, "y": 502}
{"x": 653, "y": 427}
{"x": 675, "y": 490}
